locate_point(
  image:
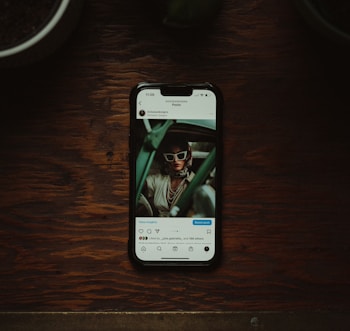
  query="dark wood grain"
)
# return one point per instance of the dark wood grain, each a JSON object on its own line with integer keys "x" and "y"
{"x": 164, "y": 321}
{"x": 286, "y": 199}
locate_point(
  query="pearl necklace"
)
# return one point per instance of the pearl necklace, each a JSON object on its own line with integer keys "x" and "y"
{"x": 172, "y": 195}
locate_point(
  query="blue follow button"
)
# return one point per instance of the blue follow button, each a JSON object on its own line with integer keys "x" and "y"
{"x": 201, "y": 222}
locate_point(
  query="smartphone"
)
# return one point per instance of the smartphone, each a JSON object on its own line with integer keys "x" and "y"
{"x": 175, "y": 174}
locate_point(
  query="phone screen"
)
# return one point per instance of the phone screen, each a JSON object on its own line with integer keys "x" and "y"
{"x": 175, "y": 159}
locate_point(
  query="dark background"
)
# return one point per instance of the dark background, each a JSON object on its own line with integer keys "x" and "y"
{"x": 64, "y": 171}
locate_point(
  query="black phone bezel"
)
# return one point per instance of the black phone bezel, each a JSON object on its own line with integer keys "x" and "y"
{"x": 175, "y": 89}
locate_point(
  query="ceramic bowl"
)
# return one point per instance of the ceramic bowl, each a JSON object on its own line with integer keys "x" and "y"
{"x": 46, "y": 39}
{"x": 331, "y": 18}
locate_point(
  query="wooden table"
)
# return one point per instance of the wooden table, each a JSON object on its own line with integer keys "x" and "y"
{"x": 64, "y": 172}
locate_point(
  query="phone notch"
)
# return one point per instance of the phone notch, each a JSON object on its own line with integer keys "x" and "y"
{"x": 176, "y": 90}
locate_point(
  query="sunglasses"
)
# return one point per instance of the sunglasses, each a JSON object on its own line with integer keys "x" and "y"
{"x": 180, "y": 156}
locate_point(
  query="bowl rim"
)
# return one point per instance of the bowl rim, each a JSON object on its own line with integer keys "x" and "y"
{"x": 314, "y": 17}
{"x": 42, "y": 33}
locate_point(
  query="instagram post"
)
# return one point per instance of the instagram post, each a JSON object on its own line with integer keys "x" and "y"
{"x": 186, "y": 154}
